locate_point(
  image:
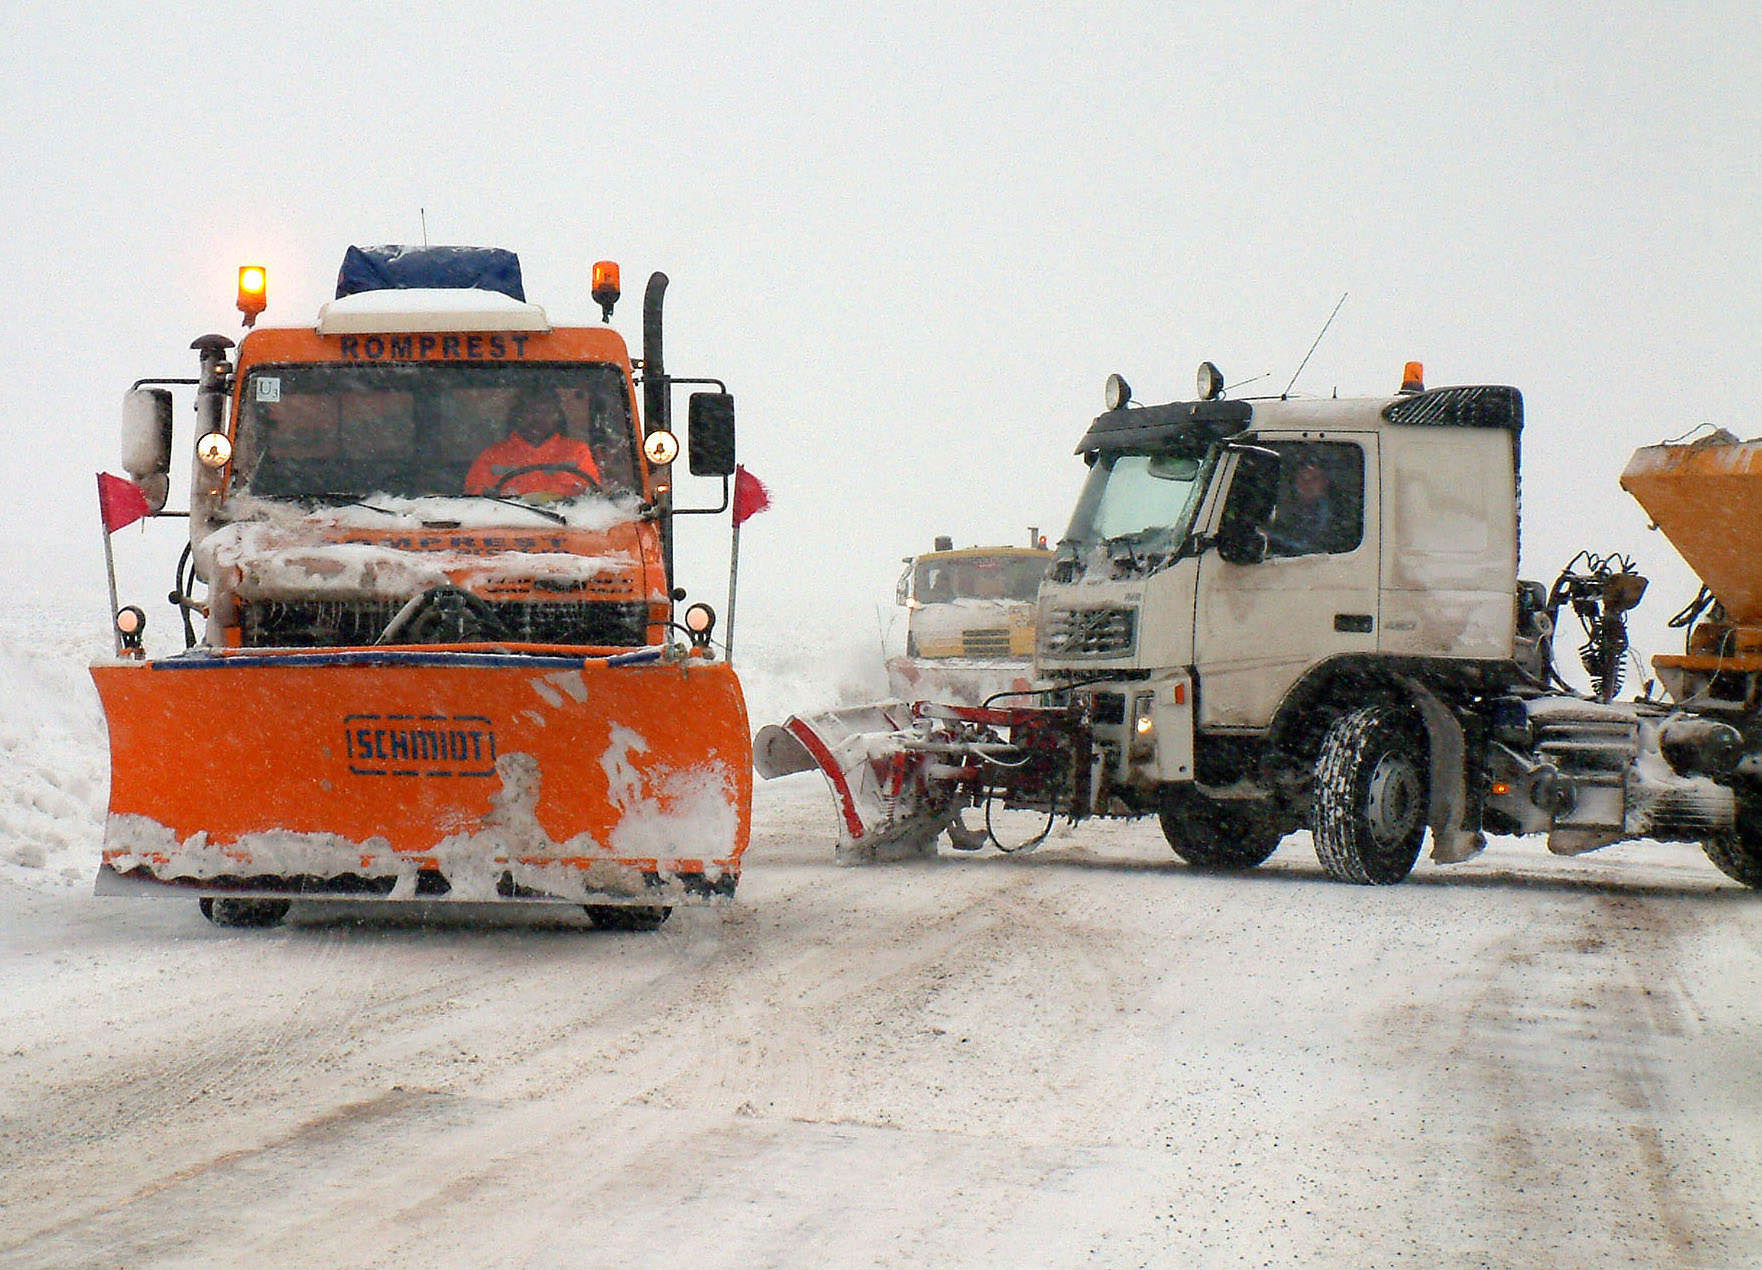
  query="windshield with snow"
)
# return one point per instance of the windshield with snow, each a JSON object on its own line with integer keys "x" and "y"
{"x": 334, "y": 432}
{"x": 1142, "y": 501}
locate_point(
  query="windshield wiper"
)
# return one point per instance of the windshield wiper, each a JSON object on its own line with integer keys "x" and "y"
{"x": 337, "y": 498}
{"x": 1120, "y": 551}
{"x": 546, "y": 512}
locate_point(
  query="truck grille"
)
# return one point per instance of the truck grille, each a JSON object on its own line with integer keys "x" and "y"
{"x": 1108, "y": 707}
{"x": 1103, "y": 632}
{"x": 340, "y": 623}
{"x": 993, "y": 643}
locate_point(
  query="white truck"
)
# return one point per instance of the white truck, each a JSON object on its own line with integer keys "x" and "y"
{"x": 1277, "y": 614}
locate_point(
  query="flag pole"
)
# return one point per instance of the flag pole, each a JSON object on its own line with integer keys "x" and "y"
{"x": 109, "y": 568}
{"x": 733, "y": 576}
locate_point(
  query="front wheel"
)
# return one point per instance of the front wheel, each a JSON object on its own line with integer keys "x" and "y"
{"x": 1369, "y": 807}
{"x": 628, "y": 916}
{"x": 1210, "y": 833}
{"x": 232, "y": 912}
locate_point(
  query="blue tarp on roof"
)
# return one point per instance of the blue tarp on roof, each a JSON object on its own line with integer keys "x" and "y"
{"x": 394, "y": 268}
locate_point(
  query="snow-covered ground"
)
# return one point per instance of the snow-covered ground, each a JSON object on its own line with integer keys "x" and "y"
{"x": 1089, "y": 1055}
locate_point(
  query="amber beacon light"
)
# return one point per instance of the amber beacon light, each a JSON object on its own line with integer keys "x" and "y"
{"x": 605, "y": 287}
{"x": 253, "y": 292}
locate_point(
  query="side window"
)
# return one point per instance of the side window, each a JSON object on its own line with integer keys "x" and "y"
{"x": 1320, "y": 507}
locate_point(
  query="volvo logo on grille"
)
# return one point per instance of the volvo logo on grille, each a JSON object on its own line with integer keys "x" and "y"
{"x": 420, "y": 744}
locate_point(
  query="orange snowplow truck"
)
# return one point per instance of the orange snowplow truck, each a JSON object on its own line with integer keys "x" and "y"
{"x": 433, "y": 645}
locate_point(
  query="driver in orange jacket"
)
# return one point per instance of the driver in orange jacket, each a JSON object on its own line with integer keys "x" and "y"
{"x": 535, "y": 435}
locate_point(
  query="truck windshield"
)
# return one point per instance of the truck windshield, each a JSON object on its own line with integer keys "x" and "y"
{"x": 1146, "y": 500}
{"x": 330, "y": 431}
{"x": 941, "y": 579}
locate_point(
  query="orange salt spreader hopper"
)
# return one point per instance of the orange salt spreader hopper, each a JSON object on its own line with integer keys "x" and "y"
{"x": 432, "y": 650}
{"x": 1707, "y": 498}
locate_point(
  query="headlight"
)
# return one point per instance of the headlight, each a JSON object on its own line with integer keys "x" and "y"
{"x": 1143, "y": 725}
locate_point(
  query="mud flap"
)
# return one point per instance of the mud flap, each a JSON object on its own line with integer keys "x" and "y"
{"x": 1452, "y": 840}
{"x": 888, "y": 808}
{"x": 427, "y": 774}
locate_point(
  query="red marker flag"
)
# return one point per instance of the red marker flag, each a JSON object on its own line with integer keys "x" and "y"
{"x": 750, "y": 495}
{"x": 120, "y": 502}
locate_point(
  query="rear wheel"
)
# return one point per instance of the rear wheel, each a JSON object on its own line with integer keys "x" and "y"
{"x": 628, "y": 916}
{"x": 1738, "y": 852}
{"x": 1210, "y": 833}
{"x": 1370, "y": 799}
{"x": 223, "y": 911}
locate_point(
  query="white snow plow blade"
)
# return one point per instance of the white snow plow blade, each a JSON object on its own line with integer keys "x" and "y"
{"x": 890, "y": 804}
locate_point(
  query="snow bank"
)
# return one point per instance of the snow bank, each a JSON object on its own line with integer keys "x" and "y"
{"x": 56, "y": 761}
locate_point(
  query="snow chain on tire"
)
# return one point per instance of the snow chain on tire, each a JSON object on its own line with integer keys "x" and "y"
{"x": 1370, "y": 799}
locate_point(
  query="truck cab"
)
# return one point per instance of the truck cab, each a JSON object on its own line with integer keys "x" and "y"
{"x": 1238, "y": 574}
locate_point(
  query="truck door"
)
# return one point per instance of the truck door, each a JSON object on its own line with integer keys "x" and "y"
{"x": 1259, "y": 626}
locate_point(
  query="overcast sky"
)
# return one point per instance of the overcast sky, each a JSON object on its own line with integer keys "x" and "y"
{"x": 915, "y": 239}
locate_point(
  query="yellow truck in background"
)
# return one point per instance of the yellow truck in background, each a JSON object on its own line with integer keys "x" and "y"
{"x": 969, "y": 622}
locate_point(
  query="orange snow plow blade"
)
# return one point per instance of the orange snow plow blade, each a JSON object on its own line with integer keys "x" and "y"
{"x": 432, "y": 774}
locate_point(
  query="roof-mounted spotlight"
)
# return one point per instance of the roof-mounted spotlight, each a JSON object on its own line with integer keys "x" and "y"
{"x": 1210, "y": 382}
{"x": 1117, "y": 392}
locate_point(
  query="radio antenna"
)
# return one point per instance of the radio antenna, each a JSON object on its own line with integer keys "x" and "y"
{"x": 422, "y": 212}
{"x": 1311, "y": 353}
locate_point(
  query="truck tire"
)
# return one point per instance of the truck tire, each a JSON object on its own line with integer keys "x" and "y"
{"x": 1368, "y": 810}
{"x": 1209, "y": 833}
{"x": 223, "y": 911}
{"x": 1738, "y": 854}
{"x": 628, "y": 916}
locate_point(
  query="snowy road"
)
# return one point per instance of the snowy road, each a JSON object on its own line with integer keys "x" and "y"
{"x": 1091, "y": 1054}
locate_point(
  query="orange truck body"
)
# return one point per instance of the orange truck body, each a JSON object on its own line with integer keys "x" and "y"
{"x": 602, "y": 769}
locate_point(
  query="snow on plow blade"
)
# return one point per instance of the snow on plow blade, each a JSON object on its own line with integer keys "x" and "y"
{"x": 890, "y": 800}
{"x": 426, "y": 774}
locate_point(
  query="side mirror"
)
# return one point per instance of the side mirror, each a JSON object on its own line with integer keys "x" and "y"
{"x": 710, "y": 431}
{"x": 903, "y": 591}
{"x": 146, "y": 442}
{"x": 1241, "y": 536}
{"x": 1241, "y": 543}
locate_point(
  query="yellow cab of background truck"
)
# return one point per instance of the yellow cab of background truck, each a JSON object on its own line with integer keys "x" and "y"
{"x": 972, "y": 601}
{"x": 969, "y": 622}
{"x": 408, "y": 686}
